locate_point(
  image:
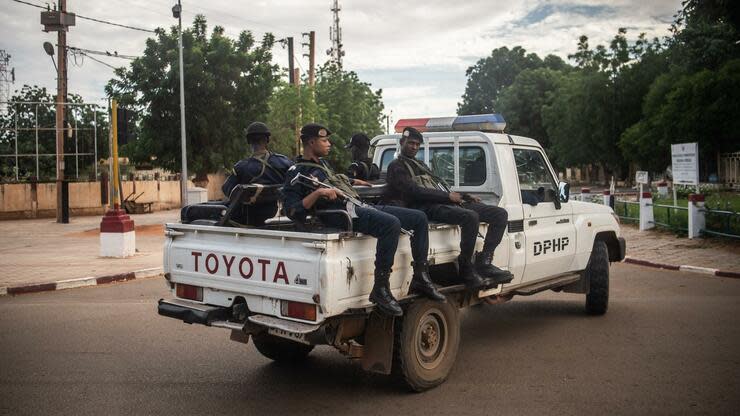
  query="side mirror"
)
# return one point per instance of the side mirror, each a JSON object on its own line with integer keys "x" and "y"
{"x": 564, "y": 190}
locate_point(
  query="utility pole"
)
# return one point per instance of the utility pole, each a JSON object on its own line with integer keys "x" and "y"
{"x": 311, "y": 56}
{"x": 335, "y": 35}
{"x": 59, "y": 21}
{"x": 177, "y": 13}
{"x": 7, "y": 77}
{"x": 291, "y": 74}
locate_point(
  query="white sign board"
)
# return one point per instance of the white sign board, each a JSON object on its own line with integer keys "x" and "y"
{"x": 641, "y": 177}
{"x": 685, "y": 163}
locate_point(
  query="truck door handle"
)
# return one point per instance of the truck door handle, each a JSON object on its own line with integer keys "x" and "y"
{"x": 532, "y": 222}
{"x": 562, "y": 221}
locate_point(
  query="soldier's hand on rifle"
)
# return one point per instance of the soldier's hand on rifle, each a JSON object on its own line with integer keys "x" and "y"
{"x": 360, "y": 182}
{"x": 456, "y": 197}
{"x": 330, "y": 194}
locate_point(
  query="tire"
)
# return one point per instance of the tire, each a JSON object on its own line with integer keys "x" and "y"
{"x": 426, "y": 344}
{"x": 280, "y": 349}
{"x": 597, "y": 272}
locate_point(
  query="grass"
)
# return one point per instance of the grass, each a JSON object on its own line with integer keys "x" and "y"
{"x": 677, "y": 219}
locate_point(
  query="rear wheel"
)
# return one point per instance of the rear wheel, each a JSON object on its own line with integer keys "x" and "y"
{"x": 427, "y": 340}
{"x": 597, "y": 273}
{"x": 280, "y": 349}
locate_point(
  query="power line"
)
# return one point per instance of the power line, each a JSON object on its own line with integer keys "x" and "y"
{"x": 115, "y": 54}
{"x": 99, "y": 61}
{"x": 90, "y": 18}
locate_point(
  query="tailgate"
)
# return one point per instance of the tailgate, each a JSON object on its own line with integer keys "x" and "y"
{"x": 261, "y": 266}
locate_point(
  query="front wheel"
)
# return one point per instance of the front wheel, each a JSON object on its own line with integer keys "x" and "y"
{"x": 280, "y": 349}
{"x": 427, "y": 340}
{"x": 597, "y": 273}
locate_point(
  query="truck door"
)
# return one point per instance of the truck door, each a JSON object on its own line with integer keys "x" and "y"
{"x": 548, "y": 223}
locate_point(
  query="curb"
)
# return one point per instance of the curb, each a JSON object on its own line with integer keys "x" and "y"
{"x": 683, "y": 268}
{"x": 81, "y": 282}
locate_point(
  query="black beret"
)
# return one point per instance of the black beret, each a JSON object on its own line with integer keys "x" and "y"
{"x": 359, "y": 140}
{"x": 314, "y": 130}
{"x": 258, "y": 128}
{"x": 410, "y": 132}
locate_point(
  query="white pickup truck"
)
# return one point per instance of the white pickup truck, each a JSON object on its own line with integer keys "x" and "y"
{"x": 291, "y": 287}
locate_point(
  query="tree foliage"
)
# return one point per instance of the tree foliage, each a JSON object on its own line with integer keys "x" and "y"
{"x": 627, "y": 101}
{"x": 227, "y": 85}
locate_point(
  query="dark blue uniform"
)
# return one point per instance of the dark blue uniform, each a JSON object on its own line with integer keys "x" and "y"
{"x": 383, "y": 223}
{"x": 365, "y": 170}
{"x": 267, "y": 169}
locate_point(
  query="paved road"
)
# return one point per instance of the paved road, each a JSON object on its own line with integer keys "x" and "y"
{"x": 670, "y": 344}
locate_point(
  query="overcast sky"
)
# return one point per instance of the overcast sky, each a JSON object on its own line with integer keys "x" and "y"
{"x": 417, "y": 51}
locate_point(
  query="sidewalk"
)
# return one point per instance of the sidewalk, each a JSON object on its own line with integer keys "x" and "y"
{"x": 664, "y": 247}
{"x": 42, "y": 251}
{"x": 35, "y": 252}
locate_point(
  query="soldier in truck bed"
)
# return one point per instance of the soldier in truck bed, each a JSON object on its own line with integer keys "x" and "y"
{"x": 412, "y": 184}
{"x": 362, "y": 166}
{"x": 264, "y": 168}
{"x": 383, "y": 223}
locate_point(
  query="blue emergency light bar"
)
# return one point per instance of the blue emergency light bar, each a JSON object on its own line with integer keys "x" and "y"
{"x": 475, "y": 122}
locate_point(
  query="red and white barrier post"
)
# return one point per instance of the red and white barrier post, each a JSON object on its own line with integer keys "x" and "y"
{"x": 117, "y": 235}
{"x": 585, "y": 194}
{"x": 697, "y": 216}
{"x": 647, "y": 219}
{"x": 608, "y": 199}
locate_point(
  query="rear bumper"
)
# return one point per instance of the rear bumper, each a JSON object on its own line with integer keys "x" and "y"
{"x": 218, "y": 316}
{"x": 191, "y": 312}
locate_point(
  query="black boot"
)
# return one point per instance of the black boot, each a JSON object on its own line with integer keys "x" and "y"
{"x": 381, "y": 294}
{"x": 485, "y": 267}
{"x": 467, "y": 274}
{"x": 422, "y": 283}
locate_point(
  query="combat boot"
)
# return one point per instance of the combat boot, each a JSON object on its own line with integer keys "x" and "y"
{"x": 422, "y": 283}
{"x": 381, "y": 294}
{"x": 467, "y": 274}
{"x": 484, "y": 266}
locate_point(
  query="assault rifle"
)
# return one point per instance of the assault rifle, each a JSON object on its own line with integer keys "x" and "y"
{"x": 314, "y": 184}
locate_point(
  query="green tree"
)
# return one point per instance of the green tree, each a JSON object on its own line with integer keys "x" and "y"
{"x": 522, "y": 102}
{"x": 290, "y": 108}
{"x": 490, "y": 75}
{"x": 702, "y": 107}
{"x": 346, "y": 105}
{"x": 227, "y": 85}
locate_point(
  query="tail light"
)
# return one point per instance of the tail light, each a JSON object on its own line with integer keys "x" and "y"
{"x": 190, "y": 292}
{"x": 298, "y": 310}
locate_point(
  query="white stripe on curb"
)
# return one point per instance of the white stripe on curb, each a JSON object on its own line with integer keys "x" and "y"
{"x": 143, "y": 273}
{"x": 88, "y": 281}
{"x": 696, "y": 269}
{"x": 73, "y": 283}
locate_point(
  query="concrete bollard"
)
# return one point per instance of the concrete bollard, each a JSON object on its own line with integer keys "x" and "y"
{"x": 608, "y": 199}
{"x": 697, "y": 216}
{"x": 117, "y": 235}
{"x": 585, "y": 194}
{"x": 647, "y": 219}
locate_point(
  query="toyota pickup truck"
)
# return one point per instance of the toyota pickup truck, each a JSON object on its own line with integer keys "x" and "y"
{"x": 290, "y": 287}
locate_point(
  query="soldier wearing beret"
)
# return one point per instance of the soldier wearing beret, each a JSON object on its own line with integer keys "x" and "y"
{"x": 412, "y": 184}
{"x": 381, "y": 222}
{"x": 263, "y": 167}
{"x": 362, "y": 166}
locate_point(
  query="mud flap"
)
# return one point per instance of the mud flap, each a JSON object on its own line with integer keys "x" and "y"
{"x": 378, "y": 351}
{"x": 239, "y": 336}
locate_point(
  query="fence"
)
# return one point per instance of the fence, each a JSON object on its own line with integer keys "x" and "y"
{"x": 729, "y": 168}
{"x": 24, "y": 117}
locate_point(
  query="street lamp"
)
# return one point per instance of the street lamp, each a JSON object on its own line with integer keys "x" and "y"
{"x": 177, "y": 14}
